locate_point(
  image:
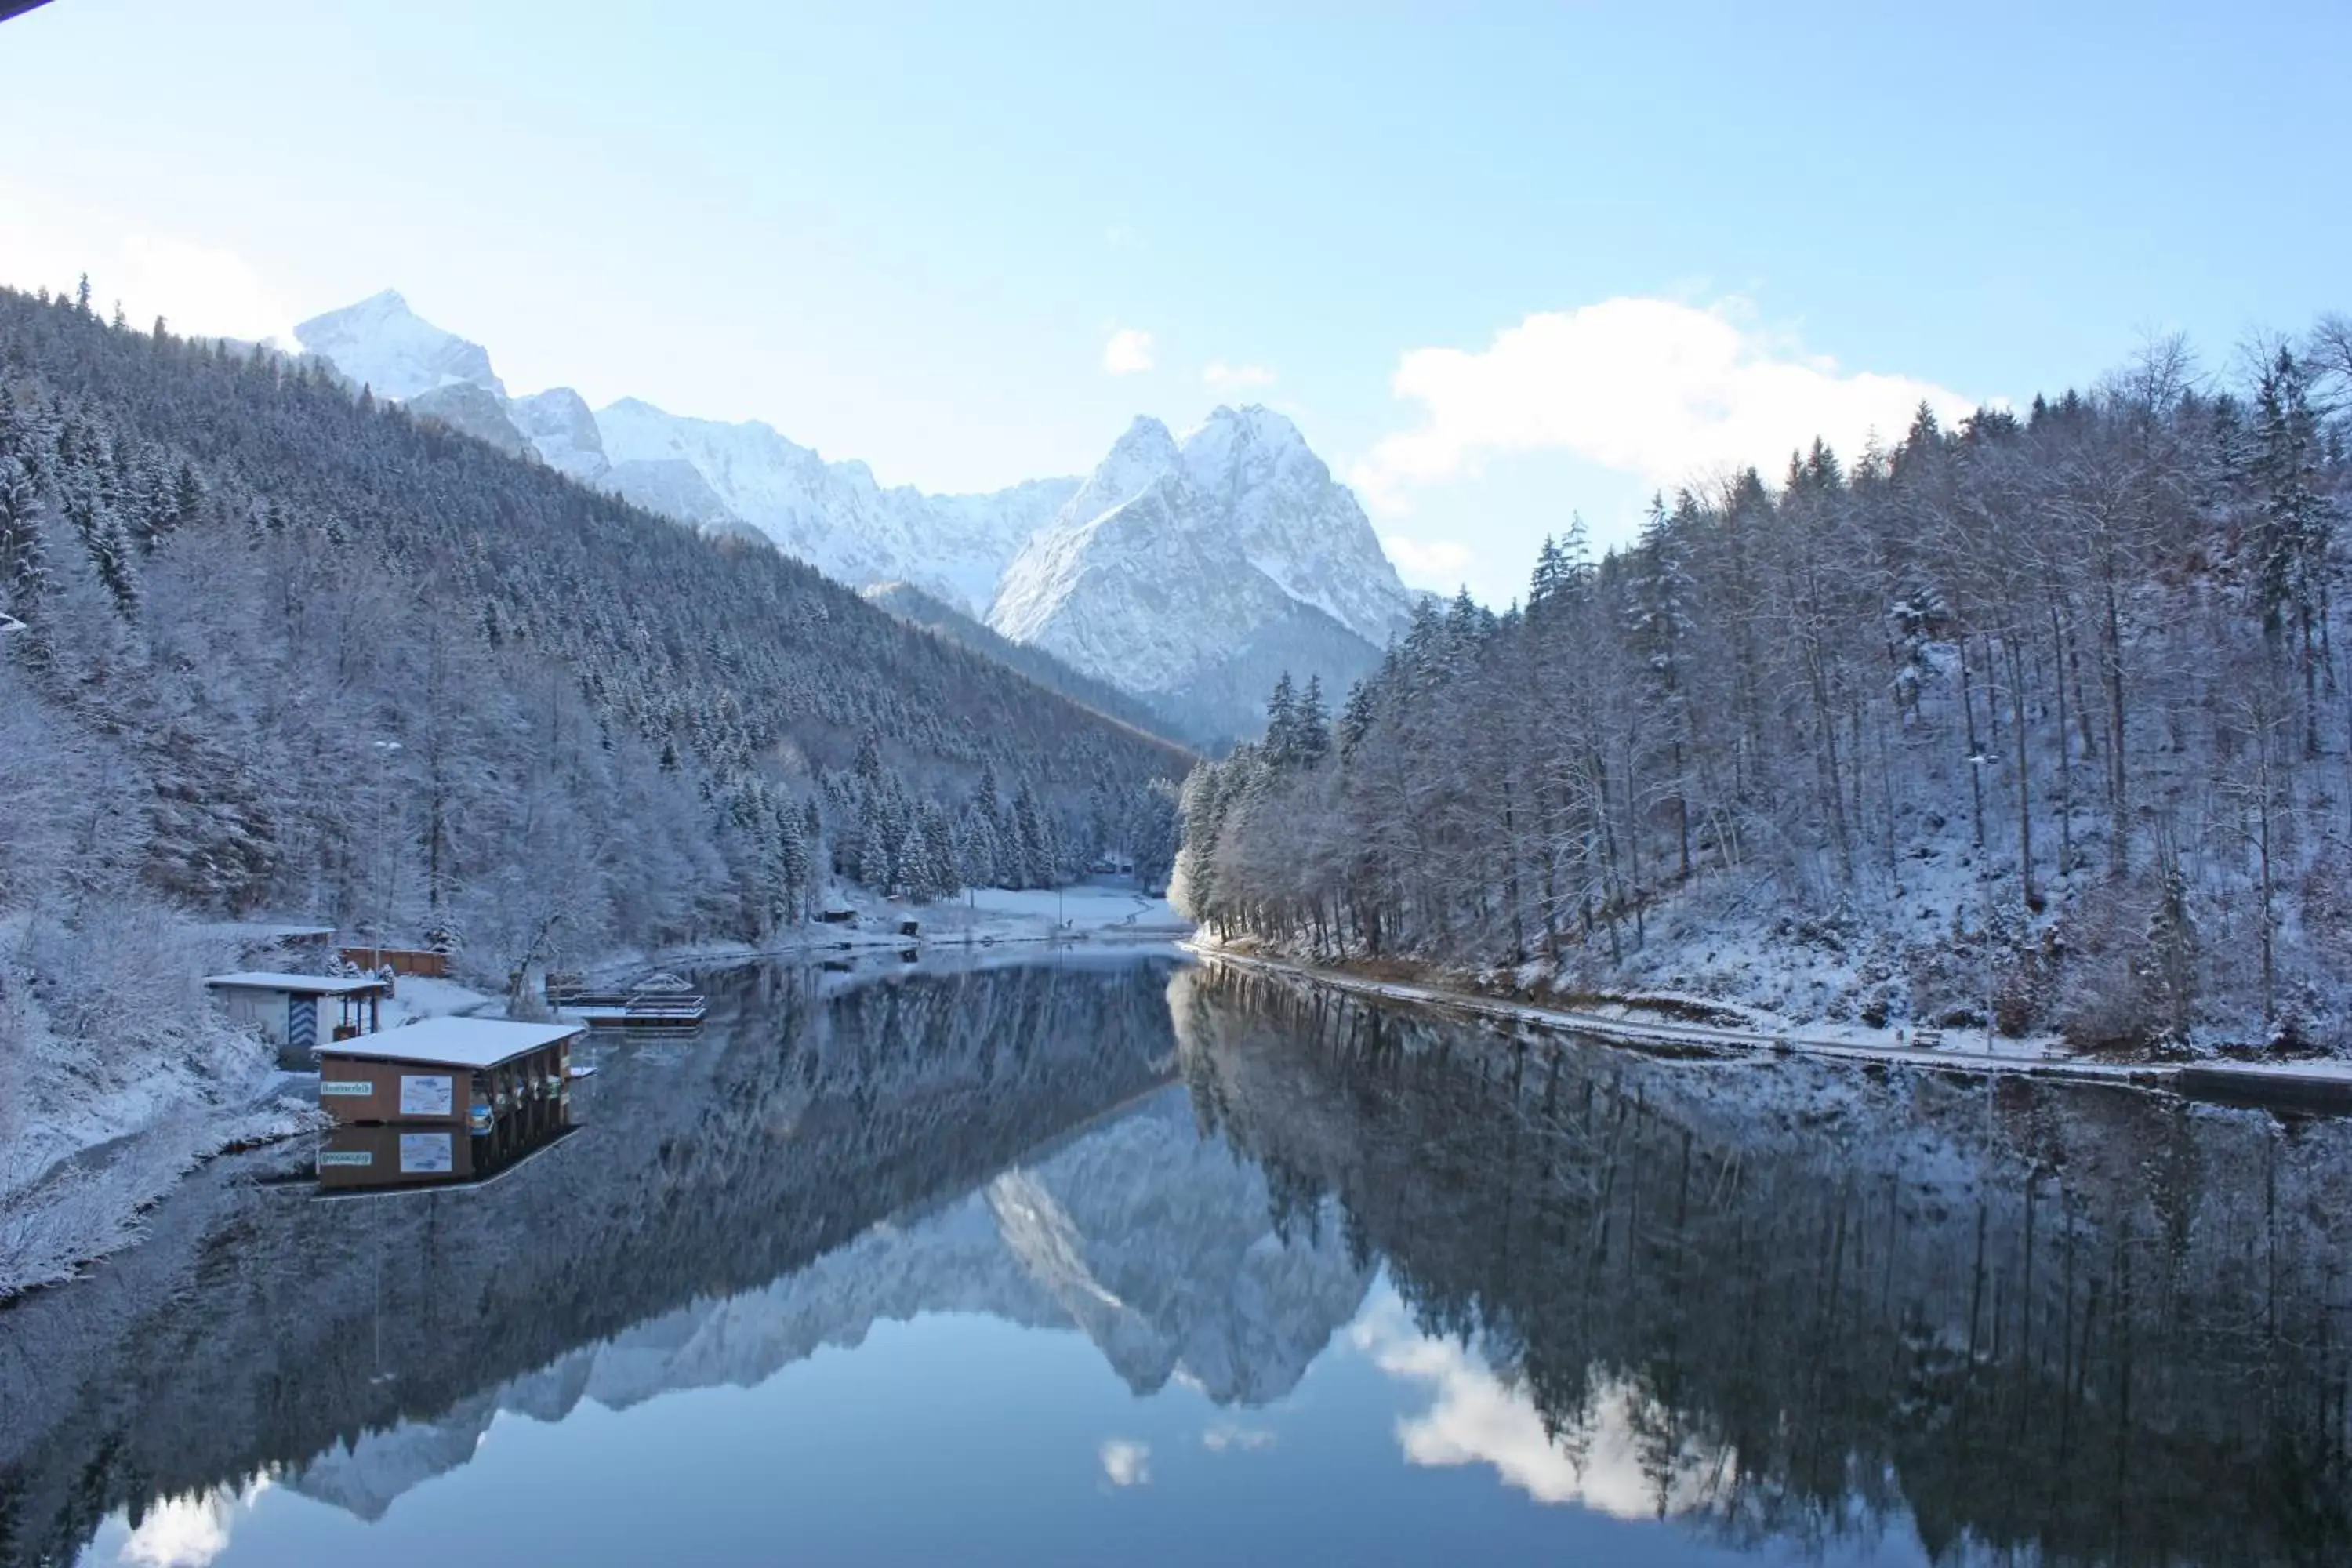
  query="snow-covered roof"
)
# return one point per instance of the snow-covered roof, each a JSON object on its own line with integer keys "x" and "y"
{"x": 453, "y": 1042}
{"x": 298, "y": 984}
{"x": 262, "y": 930}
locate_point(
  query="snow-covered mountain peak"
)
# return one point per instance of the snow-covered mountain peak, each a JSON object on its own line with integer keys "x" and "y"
{"x": 383, "y": 345}
{"x": 1229, "y": 434}
{"x": 1145, "y": 453}
{"x": 381, "y": 305}
{"x": 1145, "y": 433}
{"x": 1173, "y": 560}
{"x": 561, "y": 425}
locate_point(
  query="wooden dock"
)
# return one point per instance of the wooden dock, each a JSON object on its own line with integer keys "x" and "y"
{"x": 660, "y": 1002}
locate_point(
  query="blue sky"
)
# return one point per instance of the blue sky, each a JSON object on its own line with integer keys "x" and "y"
{"x": 1501, "y": 263}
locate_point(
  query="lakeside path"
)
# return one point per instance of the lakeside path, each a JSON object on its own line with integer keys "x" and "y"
{"x": 2309, "y": 1085}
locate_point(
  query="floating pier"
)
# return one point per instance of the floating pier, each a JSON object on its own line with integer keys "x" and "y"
{"x": 658, "y": 1002}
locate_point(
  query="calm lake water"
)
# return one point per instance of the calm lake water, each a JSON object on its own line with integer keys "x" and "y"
{"x": 1114, "y": 1260}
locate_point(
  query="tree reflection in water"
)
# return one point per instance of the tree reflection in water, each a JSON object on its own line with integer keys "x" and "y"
{"x": 2096, "y": 1326}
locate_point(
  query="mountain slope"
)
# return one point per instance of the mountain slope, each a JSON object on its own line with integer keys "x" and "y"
{"x": 917, "y": 608}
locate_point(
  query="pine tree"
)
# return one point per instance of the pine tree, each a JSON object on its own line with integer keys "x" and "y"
{"x": 881, "y": 834}
{"x": 1659, "y": 629}
{"x": 1281, "y": 743}
{"x": 1356, "y": 716}
{"x": 911, "y": 873}
{"x": 2294, "y": 528}
{"x": 1034, "y": 837}
{"x": 108, "y": 544}
{"x": 976, "y": 855}
{"x": 1551, "y": 573}
{"x": 792, "y": 853}
{"x": 24, "y": 572}
{"x": 938, "y": 850}
{"x": 187, "y": 497}
{"x": 1311, "y": 725}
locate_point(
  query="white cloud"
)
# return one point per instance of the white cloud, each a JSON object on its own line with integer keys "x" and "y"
{"x": 1128, "y": 351}
{"x": 1653, "y": 387}
{"x": 1230, "y": 1435}
{"x": 199, "y": 288}
{"x": 1434, "y": 562}
{"x": 1475, "y": 1418}
{"x": 1119, "y": 237}
{"x": 1127, "y": 1463}
{"x": 187, "y": 1532}
{"x": 1223, "y": 378}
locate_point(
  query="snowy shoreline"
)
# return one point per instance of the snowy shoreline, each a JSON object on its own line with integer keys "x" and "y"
{"x": 1086, "y": 913}
{"x": 2285, "y": 1081}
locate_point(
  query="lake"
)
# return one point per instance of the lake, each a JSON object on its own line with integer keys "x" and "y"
{"x": 1115, "y": 1259}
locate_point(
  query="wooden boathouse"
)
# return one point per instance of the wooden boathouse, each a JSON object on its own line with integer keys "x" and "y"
{"x": 394, "y": 1156}
{"x": 476, "y": 1074}
{"x": 286, "y": 1008}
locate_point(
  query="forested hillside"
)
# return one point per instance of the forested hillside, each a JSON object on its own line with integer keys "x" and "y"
{"x": 917, "y": 608}
{"x": 272, "y": 649}
{"x": 360, "y": 650}
{"x": 2040, "y": 718}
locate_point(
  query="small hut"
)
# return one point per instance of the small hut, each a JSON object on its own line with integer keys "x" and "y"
{"x": 286, "y": 1008}
{"x": 474, "y": 1073}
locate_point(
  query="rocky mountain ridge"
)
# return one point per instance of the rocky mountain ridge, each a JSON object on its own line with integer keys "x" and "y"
{"x": 1187, "y": 573}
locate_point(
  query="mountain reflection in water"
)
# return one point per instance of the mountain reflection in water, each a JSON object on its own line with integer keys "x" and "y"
{"x": 1115, "y": 1258}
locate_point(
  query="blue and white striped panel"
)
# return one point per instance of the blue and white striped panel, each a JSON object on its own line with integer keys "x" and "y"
{"x": 302, "y": 1024}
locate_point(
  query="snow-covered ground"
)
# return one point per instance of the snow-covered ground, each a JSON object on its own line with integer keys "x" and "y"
{"x": 415, "y": 996}
{"x": 1089, "y": 912}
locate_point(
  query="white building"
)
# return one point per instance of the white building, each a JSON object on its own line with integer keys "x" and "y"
{"x": 287, "y": 1008}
